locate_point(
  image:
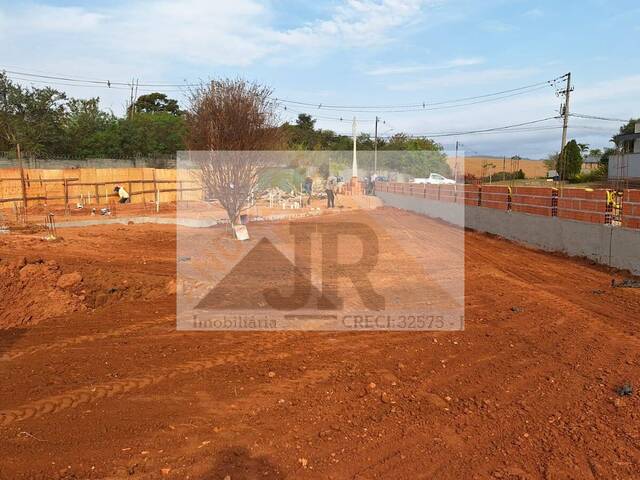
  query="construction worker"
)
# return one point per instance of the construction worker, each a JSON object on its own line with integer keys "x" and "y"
{"x": 122, "y": 193}
{"x": 330, "y": 189}
{"x": 308, "y": 189}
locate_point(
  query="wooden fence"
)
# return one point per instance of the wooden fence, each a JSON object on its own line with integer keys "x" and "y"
{"x": 94, "y": 186}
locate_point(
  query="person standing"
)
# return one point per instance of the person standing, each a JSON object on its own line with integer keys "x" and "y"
{"x": 330, "y": 189}
{"x": 308, "y": 189}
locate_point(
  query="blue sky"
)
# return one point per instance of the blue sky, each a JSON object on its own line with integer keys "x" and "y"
{"x": 354, "y": 52}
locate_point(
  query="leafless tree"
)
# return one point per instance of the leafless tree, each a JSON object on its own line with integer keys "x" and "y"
{"x": 226, "y": 118}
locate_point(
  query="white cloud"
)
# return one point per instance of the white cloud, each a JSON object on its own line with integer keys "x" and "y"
{"x": 357, "y": 23}
{"x": 534, "y": 13}
{"x": 45, "y": 18}
{"x": 407, "y": 69}
{"x": 462, "y": 78}
{"x": 206, "y": 33}
{"x": 496, "y": 26}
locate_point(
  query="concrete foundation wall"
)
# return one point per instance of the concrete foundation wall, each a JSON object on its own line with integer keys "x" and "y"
{"x": 628, "y": 165}
{"x": 614, "y": 246}
{"x": 453, "y": 213}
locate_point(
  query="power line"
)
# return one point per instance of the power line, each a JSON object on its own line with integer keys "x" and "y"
{"x": 506, "y": 131}
{"x": 104, "y": 83}
{"x": 425, "y": 108}
{"x": 401, "y": 108}
{"x": 485, "y": 130}
{"x": 418, "y": 106}
{"x": 112, "y": 87}
{"x": 594, "y": 117}
{"x": 324, "y": 117}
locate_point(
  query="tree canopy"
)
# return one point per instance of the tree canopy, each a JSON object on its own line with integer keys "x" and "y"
{"x": 629, "y": 127}
{"x": 156, "y": 103}
{"x": 570, "y": 161}
{"x": 223, "y": 114}
{"x": 419, "y": 157}
{"x": 48, "y": 123}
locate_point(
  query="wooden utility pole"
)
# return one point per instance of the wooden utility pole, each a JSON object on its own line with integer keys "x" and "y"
{"x": 455, "y": 165}
{"x": 375, "y": 150}
{"x": 565, "y": 122}
{"x": 23, "y": 183}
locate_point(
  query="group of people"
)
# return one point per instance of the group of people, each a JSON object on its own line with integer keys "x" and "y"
{"x": 330, "y": 188}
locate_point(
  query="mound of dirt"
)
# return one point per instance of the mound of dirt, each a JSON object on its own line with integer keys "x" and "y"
{"x": 34, "y": 290}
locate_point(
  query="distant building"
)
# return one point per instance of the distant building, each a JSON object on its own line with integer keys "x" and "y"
{"x": 625, "y": 165}
{"x": 590, "y": 162}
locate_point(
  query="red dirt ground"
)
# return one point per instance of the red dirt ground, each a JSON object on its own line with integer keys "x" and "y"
{"x": 107, "y": 388}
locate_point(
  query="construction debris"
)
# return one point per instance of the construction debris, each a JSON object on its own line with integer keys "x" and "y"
{"x": 241, "y": 232}
{"x": 50, "y": 223}
{"x": 3, "y": 227}
{"x": 627, "y": 283}
{"x": 625, "y": 390}
{"x": 279, "y": 198}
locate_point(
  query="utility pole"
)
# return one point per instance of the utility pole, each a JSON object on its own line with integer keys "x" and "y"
{"x": 130, "y": 109}
{"x": 455, "y": 165}
{"x": 565, "y": 121}
{"x": 23, "y": 183}
{"x": 375, "y": 150}
{"x": 133, "y": 96}
{"x": 355, "y": 157}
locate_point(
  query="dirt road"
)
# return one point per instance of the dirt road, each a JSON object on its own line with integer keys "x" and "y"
{"x": 109, "y": 389}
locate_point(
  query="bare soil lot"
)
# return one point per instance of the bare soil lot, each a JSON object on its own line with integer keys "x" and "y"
{"x": 97, "y": 382}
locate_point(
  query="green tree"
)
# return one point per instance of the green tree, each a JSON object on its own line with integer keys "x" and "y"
{"x": 570, "y": 162}
{"x": 84, "y": 127}
{"x": 32, "y": 118}
{"x": 305, "y": 122}
{"x": 157, "y": 103}
{"x": 629, "y": 127}
{"x": 596, "y": 152}
{"x": 146, "y": 134}
{"x": 604, "y": 158}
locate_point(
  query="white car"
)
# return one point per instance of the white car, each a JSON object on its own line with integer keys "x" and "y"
{"x": 435, "y": 179}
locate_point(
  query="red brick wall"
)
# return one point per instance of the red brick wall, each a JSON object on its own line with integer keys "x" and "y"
{"x": 472, "y": 195}
{"x": 631, "y": 209}
{"x": 533, "y": 200}
{"x": 571, "y": 203}
{"x": 583, "y": 205}
{"x": 494, "y": 196}
{"x": 450, "y": 193}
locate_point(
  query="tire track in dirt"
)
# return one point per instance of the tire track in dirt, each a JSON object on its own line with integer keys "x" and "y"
{"x": 573, "y": 307}
{"x": 68, "y": 342}
{"x": 90, "y": 394}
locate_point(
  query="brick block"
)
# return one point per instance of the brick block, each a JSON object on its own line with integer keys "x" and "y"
{"x": 449, "y": 193}
{"x": 632, "y": 196}
{"x": 471, "y": 195}
{"x": 532, "y": 209}
{"x": 631, "y": 222}
{"x": 494, "y": 196}
{"x": 533, "y": 200}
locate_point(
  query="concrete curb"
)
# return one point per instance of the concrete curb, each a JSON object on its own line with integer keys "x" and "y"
{"x": 183, "y": 222}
